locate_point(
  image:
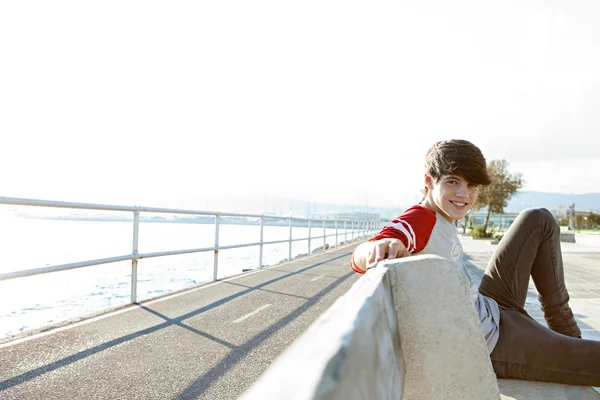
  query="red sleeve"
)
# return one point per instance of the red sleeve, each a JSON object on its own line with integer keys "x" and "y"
{"x": 413, "y": 228}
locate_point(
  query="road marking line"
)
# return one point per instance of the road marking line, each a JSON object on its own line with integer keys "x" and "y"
{"x": 318, "y": 277}
{"x": 252, "y": 313}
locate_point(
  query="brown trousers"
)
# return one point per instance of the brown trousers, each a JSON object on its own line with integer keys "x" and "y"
{"x": 526, "y": 349}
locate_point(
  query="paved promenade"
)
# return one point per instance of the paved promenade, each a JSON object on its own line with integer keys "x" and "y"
{"x": 213, "y": 342}
{"x": 208, "y": 343}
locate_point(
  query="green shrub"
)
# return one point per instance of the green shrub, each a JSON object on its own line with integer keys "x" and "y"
{"x": 477, "y": 232}
{"x": 498, "y": 235}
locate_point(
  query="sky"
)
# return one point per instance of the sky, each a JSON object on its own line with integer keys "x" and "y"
{"x": 172, "y": 103}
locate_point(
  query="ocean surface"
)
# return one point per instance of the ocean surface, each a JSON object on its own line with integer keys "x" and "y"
{"x": 37, "y": 301}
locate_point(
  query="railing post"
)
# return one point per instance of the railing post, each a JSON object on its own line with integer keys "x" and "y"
{"x": 260, "y": 253}
{"x": 345, "y": 232}
{"x": 324, "y": 236}
{"x": 134, "y": 261}
{"x": 336, "y": 235}
{"x": 352, "y": 229}
{"x": 216, "y": 259}
{"x": 309, "y": 235}
{"x": 290, "y": 247}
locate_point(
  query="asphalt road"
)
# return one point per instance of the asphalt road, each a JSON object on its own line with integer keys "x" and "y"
{"x": 211, "y": 342}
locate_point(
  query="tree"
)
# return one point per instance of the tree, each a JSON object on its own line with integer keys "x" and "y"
{"x": 496, "y": 195}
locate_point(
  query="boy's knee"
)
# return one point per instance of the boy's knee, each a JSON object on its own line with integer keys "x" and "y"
{"x": 541, "y": 215}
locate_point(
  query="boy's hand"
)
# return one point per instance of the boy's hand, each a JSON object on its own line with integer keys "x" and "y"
{"x": 386, "y": 249}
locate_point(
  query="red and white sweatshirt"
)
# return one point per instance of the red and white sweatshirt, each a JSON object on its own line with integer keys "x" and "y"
{"x": 423, "y": 231}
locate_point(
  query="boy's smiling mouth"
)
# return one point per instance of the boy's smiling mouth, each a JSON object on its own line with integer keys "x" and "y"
{"x": 458, "y": 203}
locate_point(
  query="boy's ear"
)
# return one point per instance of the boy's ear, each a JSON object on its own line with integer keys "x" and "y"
{"x": 429, "y": 182}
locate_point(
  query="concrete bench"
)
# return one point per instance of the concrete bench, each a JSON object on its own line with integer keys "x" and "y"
{"x": 568, "y": 237}
{"x": 406, "y": 330}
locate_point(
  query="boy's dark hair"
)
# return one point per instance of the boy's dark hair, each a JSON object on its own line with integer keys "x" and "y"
{"x": 457, "y": 157}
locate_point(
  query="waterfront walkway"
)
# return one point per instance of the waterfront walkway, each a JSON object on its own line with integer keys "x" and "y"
{"x": 213, "y": 342}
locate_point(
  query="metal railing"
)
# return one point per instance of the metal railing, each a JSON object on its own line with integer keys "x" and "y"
{"x": 360, "y": 227}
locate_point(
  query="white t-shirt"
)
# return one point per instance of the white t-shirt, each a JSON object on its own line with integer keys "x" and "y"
{"x": 424, "y": 231}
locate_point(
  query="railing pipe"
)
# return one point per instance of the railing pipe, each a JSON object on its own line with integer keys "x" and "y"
{"x": 134, "y": 261}
{"x": 309, "y": 235}
{"x": 62, "y": 267}
{"x": 216, "y": 257}
{"x": 106, "y": 207}
{"x": 135, "y": 256}
{"x": 260, "y": 252}
{"x": 290, "y": 246}
{"x": 324, "y": 237}
{"x": 345, "y": 232}
{"x": 336, "y": 235}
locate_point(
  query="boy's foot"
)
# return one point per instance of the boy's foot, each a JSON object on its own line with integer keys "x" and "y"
{"x": 561, "y": 320}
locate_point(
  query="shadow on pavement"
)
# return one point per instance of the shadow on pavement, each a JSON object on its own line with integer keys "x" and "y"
{"x": 198, "y": 387}
{"x": 201, "y": 384}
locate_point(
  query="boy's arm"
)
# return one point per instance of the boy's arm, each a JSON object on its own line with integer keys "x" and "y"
{"x": 369, "y": 252}
{"x": 409, "y": 233}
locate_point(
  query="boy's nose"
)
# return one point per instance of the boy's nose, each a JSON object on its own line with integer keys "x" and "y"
{"x": 462, "y": 191}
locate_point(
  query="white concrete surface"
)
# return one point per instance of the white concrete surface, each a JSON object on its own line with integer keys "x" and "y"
{"x": 351, "y": 352}
{"x": 445, "y": 353}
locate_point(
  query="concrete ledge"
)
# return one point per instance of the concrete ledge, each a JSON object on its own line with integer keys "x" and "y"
{"x": 445, "y": 353}
{"x": 352, "y": 351}
{"x": 517, "y": 390}
{"x": 567, "y": 237}
{"x": 406, "y": 330}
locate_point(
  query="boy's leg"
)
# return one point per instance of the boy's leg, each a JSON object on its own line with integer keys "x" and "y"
{"x": 530, "y": 351}
{"x": 531, "y": 247}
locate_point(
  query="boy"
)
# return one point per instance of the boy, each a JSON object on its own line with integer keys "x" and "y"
{"x": 520, "y": 348}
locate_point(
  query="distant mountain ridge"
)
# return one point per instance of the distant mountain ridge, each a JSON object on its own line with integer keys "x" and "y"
{"x": 551, "y": 201}
{"x": 286, "y": 206}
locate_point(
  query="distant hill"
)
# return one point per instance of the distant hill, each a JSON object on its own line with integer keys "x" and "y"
{"x": 520, "y": 202}
{"x": 528, "y": 199}
{"x": 287, "y": 206}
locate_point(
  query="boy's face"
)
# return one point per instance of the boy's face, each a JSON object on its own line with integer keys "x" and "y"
{"x": 452, "y": 196}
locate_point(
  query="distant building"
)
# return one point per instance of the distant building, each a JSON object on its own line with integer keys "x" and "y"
{"x": 354, "y": 216}
{"x": 496, "y": 220}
